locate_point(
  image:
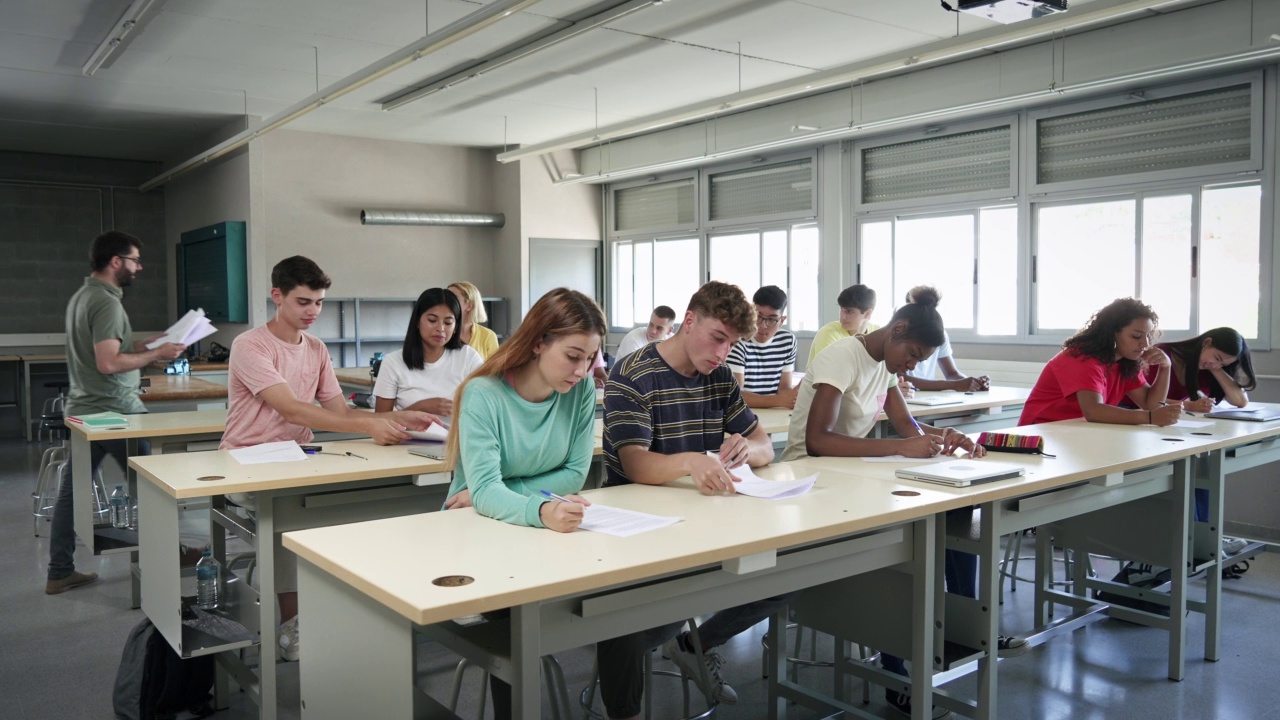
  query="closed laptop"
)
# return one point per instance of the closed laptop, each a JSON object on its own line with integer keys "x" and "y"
{"x": 962, "y": 473}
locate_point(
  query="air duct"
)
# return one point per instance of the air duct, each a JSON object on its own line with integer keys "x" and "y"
{"x": 439, "y": 219}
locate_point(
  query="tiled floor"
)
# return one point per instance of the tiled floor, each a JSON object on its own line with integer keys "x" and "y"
{"x": 59, "y": 654}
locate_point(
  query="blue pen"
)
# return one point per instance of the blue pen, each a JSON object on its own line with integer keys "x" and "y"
{"x": 554, "y": 496}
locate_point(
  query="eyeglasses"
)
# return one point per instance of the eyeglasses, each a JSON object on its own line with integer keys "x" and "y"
{"x": 134, "y": 258}
{"x": 770, "y": 321}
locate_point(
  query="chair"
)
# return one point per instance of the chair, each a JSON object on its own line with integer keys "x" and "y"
{"x": 1013, "y": 553}
{"x": 552, "y": 675}
{"x": 52, "y": 411}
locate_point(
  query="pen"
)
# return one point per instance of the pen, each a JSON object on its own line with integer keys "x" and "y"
{"x": 554, "y": 496}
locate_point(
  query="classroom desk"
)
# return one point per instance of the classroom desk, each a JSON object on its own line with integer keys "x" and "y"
{"x": 1121, "y": 490}
{"x": 726, "y": 551}
{"x": 169, "y": 393}
{"x": 991, "y": 409}
{"x": 169, "y": 431}
{"x": 29, "y": 361}
{"x": 355, "y": 379}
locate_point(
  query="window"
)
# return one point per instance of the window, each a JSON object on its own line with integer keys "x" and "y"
{"x": 969, "y": 256}
{"x": 1090, "y": 252}
{"x": 649, "y": 273}
{"x": 786, "y": 257}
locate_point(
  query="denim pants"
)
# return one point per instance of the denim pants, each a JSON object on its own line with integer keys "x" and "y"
{"x": 62, "y": 536}
{"x": 960, "y": 572}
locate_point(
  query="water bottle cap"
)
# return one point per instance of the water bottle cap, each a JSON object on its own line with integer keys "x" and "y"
{"x": 208, "y": 552}
{"x": 119, "y": 487}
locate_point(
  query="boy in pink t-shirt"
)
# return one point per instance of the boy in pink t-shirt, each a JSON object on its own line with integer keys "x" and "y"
{"x": 277, "y": 375}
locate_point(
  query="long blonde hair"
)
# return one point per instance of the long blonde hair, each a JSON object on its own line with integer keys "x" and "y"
{"x": 472, "y": 294}
{"x": 559, "y": 313}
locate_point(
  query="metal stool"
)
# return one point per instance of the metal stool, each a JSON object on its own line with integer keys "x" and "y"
{"x": 51, "y": 420}
{"x": 1013, "y": 553}
{"x": 48, "y": 482}
{"x": 552, "y": 675}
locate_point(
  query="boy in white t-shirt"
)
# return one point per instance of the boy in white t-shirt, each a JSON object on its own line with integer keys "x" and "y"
{"x": 660, "y": 327}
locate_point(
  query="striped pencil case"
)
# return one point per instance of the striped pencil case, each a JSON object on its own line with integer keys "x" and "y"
{"x": 1005, "y": 442}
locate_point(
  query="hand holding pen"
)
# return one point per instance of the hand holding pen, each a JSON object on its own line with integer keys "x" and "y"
{"x": 564, "y": 515}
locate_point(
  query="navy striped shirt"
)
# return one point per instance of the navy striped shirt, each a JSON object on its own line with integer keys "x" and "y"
{"x": 648, "y": 404}
{"x": 761, "y": 366}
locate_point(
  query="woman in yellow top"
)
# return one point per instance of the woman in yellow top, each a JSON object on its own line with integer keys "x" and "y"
{"x": 479, "y": 337}
{"x": 857, "y": 302}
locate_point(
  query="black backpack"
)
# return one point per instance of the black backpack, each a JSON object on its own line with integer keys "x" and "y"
{"x": 153, "y": 683}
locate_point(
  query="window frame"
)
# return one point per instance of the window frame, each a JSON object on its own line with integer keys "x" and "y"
{"x": 760, "y": 230}
{"x": 704, "y": 199}
{"x": 611, "y": 215}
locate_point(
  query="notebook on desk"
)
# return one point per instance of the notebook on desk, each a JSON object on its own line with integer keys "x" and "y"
{"x": 1257, "y": 415}
{"x": 932, "y": 400}
{"x": 962, "y": 473}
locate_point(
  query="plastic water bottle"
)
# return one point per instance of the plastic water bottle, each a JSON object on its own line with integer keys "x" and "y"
{"x": 120, "y": 507}
{"x": 207, "y": 572}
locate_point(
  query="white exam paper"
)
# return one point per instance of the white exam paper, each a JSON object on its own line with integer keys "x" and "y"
{"x": 904, "y": 458}
{"x": 753, "y": 485}
{"x": 273, "y": 452}
{"x": 621, "y": 523}
{"x": 190, "y": 327}
{"x": 437, "y": 433}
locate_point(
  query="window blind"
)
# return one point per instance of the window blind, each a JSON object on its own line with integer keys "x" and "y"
{"x": 668, "y": 204}
{"x": 946, "y": 165}
{"x": 784, "y": 188}
{"x": 1187, "y": 131}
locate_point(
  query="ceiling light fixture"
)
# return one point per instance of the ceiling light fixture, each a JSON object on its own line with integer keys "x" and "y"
{"x": 444, "y": 37}
{"x": 119, "y": 37}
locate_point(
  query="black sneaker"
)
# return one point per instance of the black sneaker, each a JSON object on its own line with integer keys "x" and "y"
{"x": 902, "y": 703}
{"x": 1011, "y": 645}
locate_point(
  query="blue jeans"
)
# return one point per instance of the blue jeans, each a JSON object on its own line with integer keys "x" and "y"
{"x": 960, "y": 572}
{"x": 62, "y": 536}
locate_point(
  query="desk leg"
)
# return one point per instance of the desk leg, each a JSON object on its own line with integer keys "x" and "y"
{"x": 359, "y": 656}
{"x": 135, "y": 572}
{"x": 1180, "y": 509}
{"x": 526, "y": 662}
{"x": 82, "y": 488}
{"x": 1216, "y": 485}
{"x": 268, "y": 618}
{"x": 988, "y": 594}
{"x": 925, "y": 600}
{"x": 26, "y": 399}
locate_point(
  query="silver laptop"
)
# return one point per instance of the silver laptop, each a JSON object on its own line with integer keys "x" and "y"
{"x": 931, "y": 400}
{"x": 434, "y": 451}
{"x": 962, "y": 473}
{"x": 1258, "y": 415}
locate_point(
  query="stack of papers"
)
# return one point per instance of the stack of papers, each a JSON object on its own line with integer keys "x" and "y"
{"x": 622, "y": 523}
{"x": 273, "y": 452}
{"x": 190, "y": 327}
{"x": 101, "y": 421}
{"x": 435, "y": 433}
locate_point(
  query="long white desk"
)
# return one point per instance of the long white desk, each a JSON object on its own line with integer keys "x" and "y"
{"x": 569, "y": 590}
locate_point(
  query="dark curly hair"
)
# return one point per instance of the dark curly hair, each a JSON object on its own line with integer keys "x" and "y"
{"x": 1097, "y": 339}
{"x": 924, "y": 324}
{"x": 726, "y": 303}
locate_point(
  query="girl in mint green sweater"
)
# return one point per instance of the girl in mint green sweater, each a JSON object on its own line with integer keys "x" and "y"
{"x": 524, "y": 420}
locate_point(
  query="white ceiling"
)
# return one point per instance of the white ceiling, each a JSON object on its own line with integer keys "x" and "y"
{"x": 199, "y": 64}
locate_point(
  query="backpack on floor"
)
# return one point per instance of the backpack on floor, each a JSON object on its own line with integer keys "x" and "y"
{"x": 153, "y": 683}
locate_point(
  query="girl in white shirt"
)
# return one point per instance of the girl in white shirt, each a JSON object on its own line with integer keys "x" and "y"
{"x": 427, "y": 371}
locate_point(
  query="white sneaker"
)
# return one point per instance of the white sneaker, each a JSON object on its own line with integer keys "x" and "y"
{"x": 1233, "y": 546}
{"x": 287, "y": 640}
{"x": 688, "y": 664}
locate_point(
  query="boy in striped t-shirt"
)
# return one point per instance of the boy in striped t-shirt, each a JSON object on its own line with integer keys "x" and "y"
{"x": 762, "y": 364}
{"x": 665, "y": 406}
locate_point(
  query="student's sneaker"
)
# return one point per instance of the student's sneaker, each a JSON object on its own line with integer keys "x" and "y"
{"x": 902, "y": 704}
{"x": 1233, "y": 546}
{"x": 687, "y": 661}
{"x": 1011, "y": 645}
{"x": 74, "y": 580}
{"x": 287, "y": 640}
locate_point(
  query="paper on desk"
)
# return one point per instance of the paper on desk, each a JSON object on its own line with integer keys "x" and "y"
{"x": 272, "y": 452}
{"x": 622, "y": 523}
{"x": 190, "y": 327}
{"x": 753, "y": 485}
{"x": 1184, "y": 424}
{"x": 904, "y": 458}
{"x": 436, "y": 433}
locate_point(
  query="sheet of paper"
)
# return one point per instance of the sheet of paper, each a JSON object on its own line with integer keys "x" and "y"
{"x": 622, "y": 523}
{"x": 436, "y": 433}
{"x": 753, "y": 485}
{"x": 190, "y": 327}
{"x": 905, "y": 459}
{"x": 273, "y": 452}
{"x": 1185, "y": 423}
